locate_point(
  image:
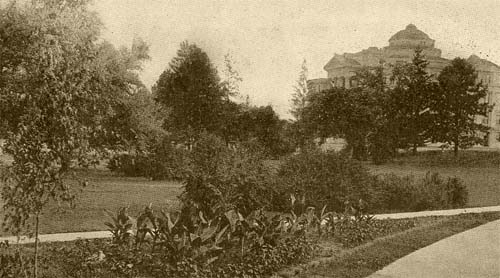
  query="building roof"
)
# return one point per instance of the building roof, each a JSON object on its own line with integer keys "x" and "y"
{"x": 411, "y": 32}
{"x": 482, "y": 64}
{"x": 340, "y": 61}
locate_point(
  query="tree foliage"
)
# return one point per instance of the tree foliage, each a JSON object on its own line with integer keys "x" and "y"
{"x": 58, "y": 84}
{"x": 299, "y": 97}
{"x": 410, "y": 101}
{"x": 129, "y": 100}
{"x": 352, "y": 114}
{"x": 191, "y": 91}
{"x": 456, "y": 105}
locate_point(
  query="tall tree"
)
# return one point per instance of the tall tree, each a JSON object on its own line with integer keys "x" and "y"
{"x": 129, "y": 98}
{"x": 191, "y": 91}
{"x": 299, "y": 97}
{"x": 231, "y": 77}
{"x": 54, "y": 97}
{"x": 410, "y": 97}
{"x": 457, "y": 104}
{"x": 382, "y": 136}
{"x": 298, "y": 128}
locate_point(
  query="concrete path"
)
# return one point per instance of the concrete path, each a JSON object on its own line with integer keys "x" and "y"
{"x": 58, "y": 237}
{"x": 472, "y": 254}
{"x": 107, "y": 234}
{"x": 436, "y": 212}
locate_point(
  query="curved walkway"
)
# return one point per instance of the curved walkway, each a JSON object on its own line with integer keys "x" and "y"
{"x": 471, "y": 254}
{"x": 107, "y": 234}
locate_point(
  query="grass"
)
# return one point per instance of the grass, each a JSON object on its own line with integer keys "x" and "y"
{"x": 368, "y": 258}
{"x": 110, "y": 192}
{"x": 106, "y": 192}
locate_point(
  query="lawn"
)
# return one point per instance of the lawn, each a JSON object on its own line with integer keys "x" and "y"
{"x": 366, "y": 259}
{"x": 107, "y": 191}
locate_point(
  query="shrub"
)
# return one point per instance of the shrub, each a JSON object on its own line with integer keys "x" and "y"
{"x": 130, "y": 165}
{"x": 164, "y": 162}
{"x": 222, "y": 178}
{"x": 354, "y": 231}
{"x": 317, "y": 179}
{"x": 169, "y": 162}
{"x": 394, "y": 193}
{"x": 13, "y": 263}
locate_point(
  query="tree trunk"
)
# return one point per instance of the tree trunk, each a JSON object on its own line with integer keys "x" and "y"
{"x": 414, "y": 150}
{"x": 35, "y": 266}
{"x": 455, "y": 148}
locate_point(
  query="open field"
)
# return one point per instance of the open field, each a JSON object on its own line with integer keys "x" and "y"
{"x": 107, "y": 192}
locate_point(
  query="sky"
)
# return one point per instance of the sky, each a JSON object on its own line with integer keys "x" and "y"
{"x": 268, "y": 40}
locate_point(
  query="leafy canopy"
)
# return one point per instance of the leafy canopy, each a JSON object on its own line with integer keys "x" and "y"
{"x": 457, "y": 104}
{"x": 191, "y": 91}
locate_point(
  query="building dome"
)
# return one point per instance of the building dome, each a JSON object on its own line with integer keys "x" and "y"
{"x": 411, "y": 32}
{"x": 411, "y": 37}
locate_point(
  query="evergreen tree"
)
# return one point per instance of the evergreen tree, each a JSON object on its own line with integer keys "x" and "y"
{"x": 456, "y": 106}
{"x": 410, "y": 97}
{"x": 301, "y": 92}
{"x": 192, "y": 93}
{"x": 298, "y": 129}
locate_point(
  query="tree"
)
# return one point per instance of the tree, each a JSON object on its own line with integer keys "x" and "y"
{"x": 299, "y": 98}
{"x": 262, "y": 125}
{"x": 126, "y": 94}
{"x": 410, "y": 97}
{"x": 457, "y": 104}
{"x": 352, "y": 114}
{"x": 232, "y": 78}
{"x": 192, "y": 93}
{"x": 298, "y": 129}
{"x": 382, "y": 137}
{"x": 53, "y": 95}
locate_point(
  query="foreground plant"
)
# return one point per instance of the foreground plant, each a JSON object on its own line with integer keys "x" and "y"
{"x": 54, "y": 93}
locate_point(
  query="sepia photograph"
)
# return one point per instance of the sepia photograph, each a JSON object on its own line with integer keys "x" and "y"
{"x": 249, "y": 138}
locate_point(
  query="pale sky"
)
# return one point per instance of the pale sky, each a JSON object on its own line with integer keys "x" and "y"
{"x": 269, "y": 39}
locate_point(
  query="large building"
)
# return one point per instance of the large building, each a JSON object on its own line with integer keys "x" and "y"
{"x": 341, "y": 69}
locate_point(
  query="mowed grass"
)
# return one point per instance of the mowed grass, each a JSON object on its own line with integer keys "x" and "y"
{"x": 366, "y": 259}
{"x": 106, "y": 191}
{"x": 483, "y": 183}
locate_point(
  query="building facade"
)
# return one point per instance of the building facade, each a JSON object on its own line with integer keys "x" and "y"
{"x": 342, "y": 68}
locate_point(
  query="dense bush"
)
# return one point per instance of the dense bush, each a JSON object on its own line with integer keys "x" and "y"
{"x": 318, "y": 178}
{"x": 225, "y": 178}
{"x": 164, "y": 161}
{"x": 315, "y": 178}
{"x": 130, "y": 165}
{"x": 353, "y": 231}
{"x": 169, "y": 162}
{"x": 13, "y": 264}
{"x": 394, "y": 193}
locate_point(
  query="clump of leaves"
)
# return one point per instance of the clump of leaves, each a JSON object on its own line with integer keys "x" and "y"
{"x": 13, "y": 264}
